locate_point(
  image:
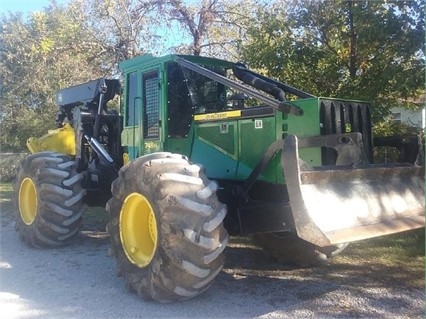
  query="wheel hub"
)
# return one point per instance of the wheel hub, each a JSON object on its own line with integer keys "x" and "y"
{"x": 27, "y": 201}
{"x": 138, "y": 229}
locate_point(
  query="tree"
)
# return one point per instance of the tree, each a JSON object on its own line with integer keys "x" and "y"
{"x": 122, "y": 28}
{"x": 351, "y": 49}
{"x": 38, "y": 56}
{"x": 214, "y": 27}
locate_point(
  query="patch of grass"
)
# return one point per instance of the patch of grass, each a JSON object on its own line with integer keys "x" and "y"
{"x": 399, "y": 257}
{"x": 6, "y": 187}
{"x": 394, "y": 249}
{"x": 6, "y": 202}
{"x": 95, "y": 218}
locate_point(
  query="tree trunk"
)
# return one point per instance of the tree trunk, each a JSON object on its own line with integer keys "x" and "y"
{"x": 352, "y": 41}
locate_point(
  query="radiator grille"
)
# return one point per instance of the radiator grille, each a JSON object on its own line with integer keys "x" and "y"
{"x": 151, "y": 98}
{"x": 339, "y": 117}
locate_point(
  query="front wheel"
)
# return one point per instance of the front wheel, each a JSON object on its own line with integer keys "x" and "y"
{"x": 166, "y": 227}
{"x": 49, "y": 199}
{"x": 289, "y": 248}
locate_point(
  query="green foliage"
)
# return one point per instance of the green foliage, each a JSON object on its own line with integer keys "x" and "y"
{"x": 392, "y": 128}
{"x": 389, "y": 154}
{"x": 364, "y": 50}
{"x": 8, "y": 165}
{"x": 38, "y": 56}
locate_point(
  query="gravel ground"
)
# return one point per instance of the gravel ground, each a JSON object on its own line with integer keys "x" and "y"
{"x": 78, "y": 281}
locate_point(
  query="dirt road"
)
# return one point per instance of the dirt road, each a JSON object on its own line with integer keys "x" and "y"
{"x": 78, "y": 281}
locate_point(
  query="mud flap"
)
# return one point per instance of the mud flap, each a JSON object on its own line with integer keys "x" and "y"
{"x": 345, "y": 203}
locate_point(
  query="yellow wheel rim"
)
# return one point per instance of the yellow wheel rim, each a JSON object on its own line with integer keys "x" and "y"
{"x": 28, "y": 201}
{"x": 138, "y": 229}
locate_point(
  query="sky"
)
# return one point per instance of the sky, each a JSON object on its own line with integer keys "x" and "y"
{"x": 24, "y": 6}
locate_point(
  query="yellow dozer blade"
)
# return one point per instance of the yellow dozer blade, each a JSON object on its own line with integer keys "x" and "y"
{"x": 345, "y": 203}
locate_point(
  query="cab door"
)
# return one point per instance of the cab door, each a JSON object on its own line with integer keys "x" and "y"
{"x": 131, "y": 133}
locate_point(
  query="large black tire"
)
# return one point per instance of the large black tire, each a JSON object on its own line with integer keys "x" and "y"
{"x": 49, "y": 199}
{"x": 166, "y": 227}
{"x": 289, "y": 248}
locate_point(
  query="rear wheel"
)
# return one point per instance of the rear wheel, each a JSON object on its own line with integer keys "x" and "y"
{"x": 49, "y": 199}
{"x": 166, "y": 227}
{"x": 289, "y": 248}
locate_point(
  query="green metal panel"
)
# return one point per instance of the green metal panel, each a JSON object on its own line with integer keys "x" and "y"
{"x": 219, "y": 165}
{"x": 147, "y": 61}
{"x": 222, "y": 136}
{"x": 133, "y": 152}
{"x": 136, "y": 63}
{"x": 231, "y": 149}
{"x": 152, "y": 146}
{"x": 215, "y": 148}
{"x": 305, "y": 126}
{"x": 256, "y": 135}
{"x": 178, "y": 145}
{"x": 202, "y": 60}
{"x": 130, "y": 137}
{"x": 246, "y": 139}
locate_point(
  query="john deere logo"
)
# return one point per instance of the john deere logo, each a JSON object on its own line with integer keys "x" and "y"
{"x": 217, "y": 116}
{"x": 348, "y": 127}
